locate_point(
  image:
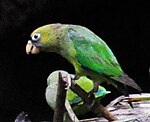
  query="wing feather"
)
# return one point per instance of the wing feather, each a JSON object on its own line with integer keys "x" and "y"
{"x": 93, "y": 53}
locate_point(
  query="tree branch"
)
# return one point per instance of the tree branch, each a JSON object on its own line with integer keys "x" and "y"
{"x": 60, "y": 101}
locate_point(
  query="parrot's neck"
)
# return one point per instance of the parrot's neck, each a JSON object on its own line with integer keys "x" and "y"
{"x": 55, "y": 45}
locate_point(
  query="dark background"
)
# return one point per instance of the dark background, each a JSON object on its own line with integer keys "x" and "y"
{"x": 123, "y": 25}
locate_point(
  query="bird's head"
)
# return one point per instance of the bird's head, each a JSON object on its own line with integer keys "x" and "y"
{"x": 43, "y": 39}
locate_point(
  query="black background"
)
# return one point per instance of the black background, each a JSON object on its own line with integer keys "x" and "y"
{"x": 123, "y": 25}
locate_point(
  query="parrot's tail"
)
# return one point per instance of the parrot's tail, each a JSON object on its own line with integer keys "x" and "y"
{"x": 125, "y": 79}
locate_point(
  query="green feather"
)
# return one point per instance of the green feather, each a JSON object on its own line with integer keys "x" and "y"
{"x": 87, "y": 85}
{"x": 93, "y": 53}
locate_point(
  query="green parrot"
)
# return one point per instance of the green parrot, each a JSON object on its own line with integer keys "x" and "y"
{"x": 75, "y": 101}
{"x": 88, "y": 53}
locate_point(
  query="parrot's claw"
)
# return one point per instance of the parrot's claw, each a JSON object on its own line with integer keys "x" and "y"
{"x": 75, "y": 77}
{"x": 67, "y": 80}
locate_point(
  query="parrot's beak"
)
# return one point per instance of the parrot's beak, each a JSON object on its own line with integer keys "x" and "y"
{"x": 32, "y": 49}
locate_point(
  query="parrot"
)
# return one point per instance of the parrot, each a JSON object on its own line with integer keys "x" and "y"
{"x": 86, "y": 51}
{"x": 75, "y": 101}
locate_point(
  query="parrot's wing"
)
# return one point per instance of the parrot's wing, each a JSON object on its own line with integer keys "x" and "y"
{"x": 93, "y": 53}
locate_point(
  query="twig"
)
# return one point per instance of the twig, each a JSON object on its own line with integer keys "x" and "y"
{"x": 70, "y": 112}
{"x": 82, "y": 93}
{"x": 60, "y": 101}
{"x": 93, "y": 103}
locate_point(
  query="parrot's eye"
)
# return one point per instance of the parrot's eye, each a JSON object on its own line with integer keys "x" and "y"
{"x": 36, "y": 37}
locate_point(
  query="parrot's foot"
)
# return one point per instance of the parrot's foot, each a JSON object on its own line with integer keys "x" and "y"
{"x": 67, "y": 79}
{"x": 75, "y": 77}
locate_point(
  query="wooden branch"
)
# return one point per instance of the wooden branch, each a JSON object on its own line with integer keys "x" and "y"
{"x": 70, "y": 112}
{"x": 93, "y": 103}
{"x": 102, "y": 111}
{"x": 60, "y": 101}
{"x": 82, "y": 93}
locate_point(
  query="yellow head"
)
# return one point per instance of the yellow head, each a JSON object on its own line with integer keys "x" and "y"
{"x": 43, "y": 39}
